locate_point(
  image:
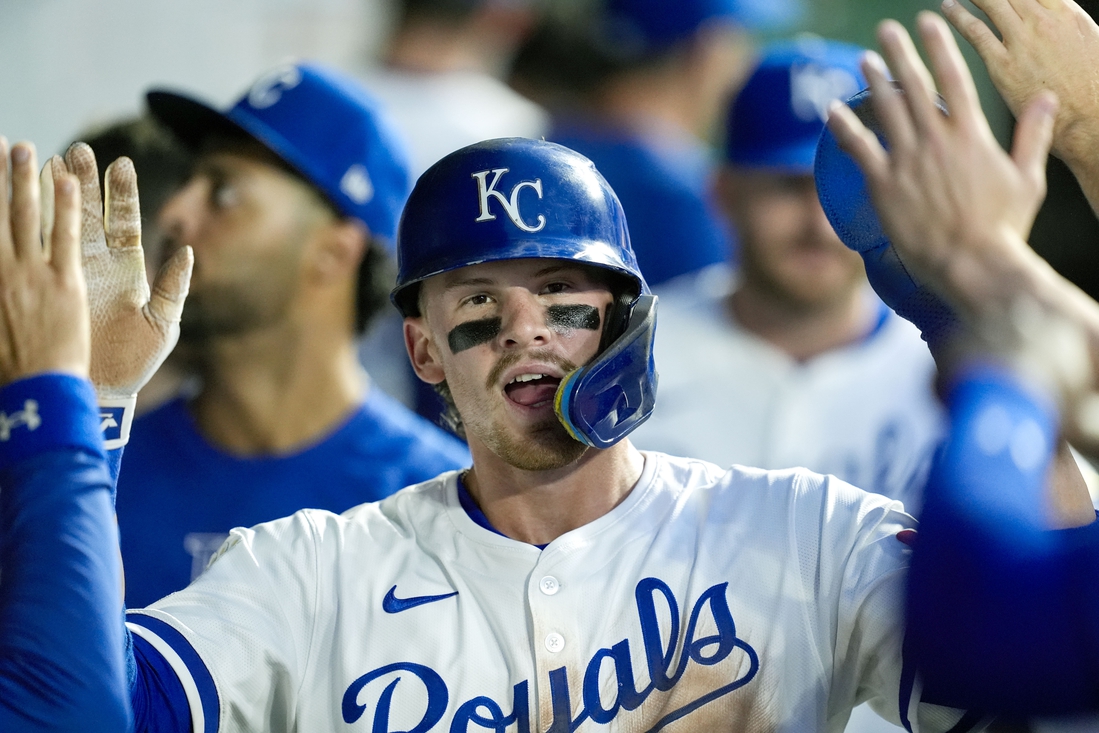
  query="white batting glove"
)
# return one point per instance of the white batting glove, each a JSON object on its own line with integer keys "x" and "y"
{"x": 133, "y": 331}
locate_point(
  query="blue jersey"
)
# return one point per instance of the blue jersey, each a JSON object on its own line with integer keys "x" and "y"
{"x": 664, "y": 187}
{"x": 178, "y": 496}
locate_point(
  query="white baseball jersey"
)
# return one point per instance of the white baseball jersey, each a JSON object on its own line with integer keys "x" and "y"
{"x": 865, "y": 412}
{"x": 707, "y": 600}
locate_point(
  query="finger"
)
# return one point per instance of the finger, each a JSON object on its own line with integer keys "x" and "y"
{"x": 1002, "y": 14}
{"x": 857, "y": 141}
{"x": 889, "y": 106}
{"x": 910, "y": 72}
{"x": 25, "y": 223}
{"x": 81, "y": 161}
{"x": 65, "y": 237}
{"x": 46, "y": 197}
{"x": 121, "y": 210}
{"x": 5, "y": 223}
{"x": 1033, "y": 137}
{"x": 973, "y": 30}
{"x": 171, "y": 286}
{"x": 952, "y": 73}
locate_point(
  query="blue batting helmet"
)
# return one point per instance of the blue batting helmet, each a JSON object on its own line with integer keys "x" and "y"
{"x": 517, "y": 198}
{"x": 847, "y": 204}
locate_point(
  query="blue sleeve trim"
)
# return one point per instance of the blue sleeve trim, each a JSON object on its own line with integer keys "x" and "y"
{"x": 158, "y": 697}
{"x": 908, "y": 683}
{"x": 47, "y": 412}
{"x": 200, "y": 674}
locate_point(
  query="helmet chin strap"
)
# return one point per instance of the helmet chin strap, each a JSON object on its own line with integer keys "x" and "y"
{"x": 603, "y": 401}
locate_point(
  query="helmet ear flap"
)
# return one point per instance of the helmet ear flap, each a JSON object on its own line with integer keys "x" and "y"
{"x": 617, "y": 318}
{"x": 603, "y": 401}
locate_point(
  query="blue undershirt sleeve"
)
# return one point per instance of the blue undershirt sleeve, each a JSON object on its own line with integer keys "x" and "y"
{"x": 61, "y": 643}
{"x": 1003, "y": 614}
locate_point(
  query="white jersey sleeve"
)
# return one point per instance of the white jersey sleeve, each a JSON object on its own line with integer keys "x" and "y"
{"x": 251, "y": 618}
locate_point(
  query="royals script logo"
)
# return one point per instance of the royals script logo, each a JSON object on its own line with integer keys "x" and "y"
{"x": 668, "y": 657}
{"x": 486, "y": 191}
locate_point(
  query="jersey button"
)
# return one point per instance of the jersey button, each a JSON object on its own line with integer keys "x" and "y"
{"x": 555, "y": 642}
{"x": 549, "y": 585}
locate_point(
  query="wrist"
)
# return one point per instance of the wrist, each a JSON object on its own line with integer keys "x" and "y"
{"x": 47, "y": 412}
{"x": 1076, "y": 142}
{"x": 985, "y": 277}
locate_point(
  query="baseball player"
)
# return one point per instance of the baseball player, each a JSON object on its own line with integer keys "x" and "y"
{"x": 803, "y": 364}
{"x": 62, "y": 665}
{"x": 994, "y": 591}
{"x": 292, "y": 206}
{"x": 566, "y": 581}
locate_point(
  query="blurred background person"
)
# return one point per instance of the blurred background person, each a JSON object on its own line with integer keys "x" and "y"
{"x": 803, "y": 364}
{"x": 637, "y": 87}
{"x": 293, "y": 193}
{"x": 440, "y": 71}
{"x": 162, "y": 164}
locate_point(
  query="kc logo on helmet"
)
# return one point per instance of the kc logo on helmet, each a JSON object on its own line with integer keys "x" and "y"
{"x": 487, "y": 191}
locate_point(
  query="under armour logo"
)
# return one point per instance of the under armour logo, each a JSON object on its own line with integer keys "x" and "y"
{"x": 487, "y": 191}
{"x": 28, "y": 417}
{"x": 268, "y": 88}
{"x": 813, "y": 87}
{"x": 357, "y": 185}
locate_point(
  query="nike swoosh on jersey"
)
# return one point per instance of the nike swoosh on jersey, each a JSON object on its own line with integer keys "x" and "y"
{"x": 392, "y": 604}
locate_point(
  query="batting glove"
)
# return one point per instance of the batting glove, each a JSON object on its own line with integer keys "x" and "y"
{"x": 133, "y": 330}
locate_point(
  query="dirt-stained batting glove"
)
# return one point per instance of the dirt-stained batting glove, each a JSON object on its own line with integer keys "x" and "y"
{"x": 133, "y": 330}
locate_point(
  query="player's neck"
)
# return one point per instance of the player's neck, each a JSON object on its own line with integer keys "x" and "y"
{"x": 436, "y": 49}
{"x": 275, "y": 389}
{"x": 539, "y": 506}
{"x": 803, "y": 333}
{"x": 650, "y": 105}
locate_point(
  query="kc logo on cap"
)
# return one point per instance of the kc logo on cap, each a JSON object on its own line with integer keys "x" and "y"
{"x": 268, "y": 89}
{"x": 813, "y": 87}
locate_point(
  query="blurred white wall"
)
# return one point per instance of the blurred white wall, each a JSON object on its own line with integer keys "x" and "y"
{"x": 68, "y": 64}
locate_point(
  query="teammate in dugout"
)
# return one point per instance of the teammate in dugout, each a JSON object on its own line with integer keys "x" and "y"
{"x": 995, "y": 586}
{"x": 804, "y": 365}
{"x": 566, "y": 580}
{"x": 289, "y": 215}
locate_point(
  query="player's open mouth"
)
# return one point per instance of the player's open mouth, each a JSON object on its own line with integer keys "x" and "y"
{"x": 532, "y": 390}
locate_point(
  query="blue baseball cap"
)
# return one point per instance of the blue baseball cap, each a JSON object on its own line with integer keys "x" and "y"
{"x": 777, "y": 118}
{"x": 323, "y": 124}
{"x": 652, "y": 25}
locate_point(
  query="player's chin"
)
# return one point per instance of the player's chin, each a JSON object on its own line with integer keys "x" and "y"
{"x": 543, "y": 447}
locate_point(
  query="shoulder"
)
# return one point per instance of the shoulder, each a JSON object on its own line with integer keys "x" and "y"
{"x": 383, "y": 425}
{"x": 170, "y": 415}
{"x": 808, "y": 501}
{"x": 163, "y": 434}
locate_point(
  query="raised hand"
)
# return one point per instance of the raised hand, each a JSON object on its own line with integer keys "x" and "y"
{"x": 43, "y": 304}
{"x": 956, "y": 206}
{"x": 1043, "y": 45}
{"x": 133, "y": 329}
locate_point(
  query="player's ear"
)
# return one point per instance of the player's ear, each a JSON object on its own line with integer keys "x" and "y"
{"x": 422, "y": 351}
{"x": 337, "y": 248}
